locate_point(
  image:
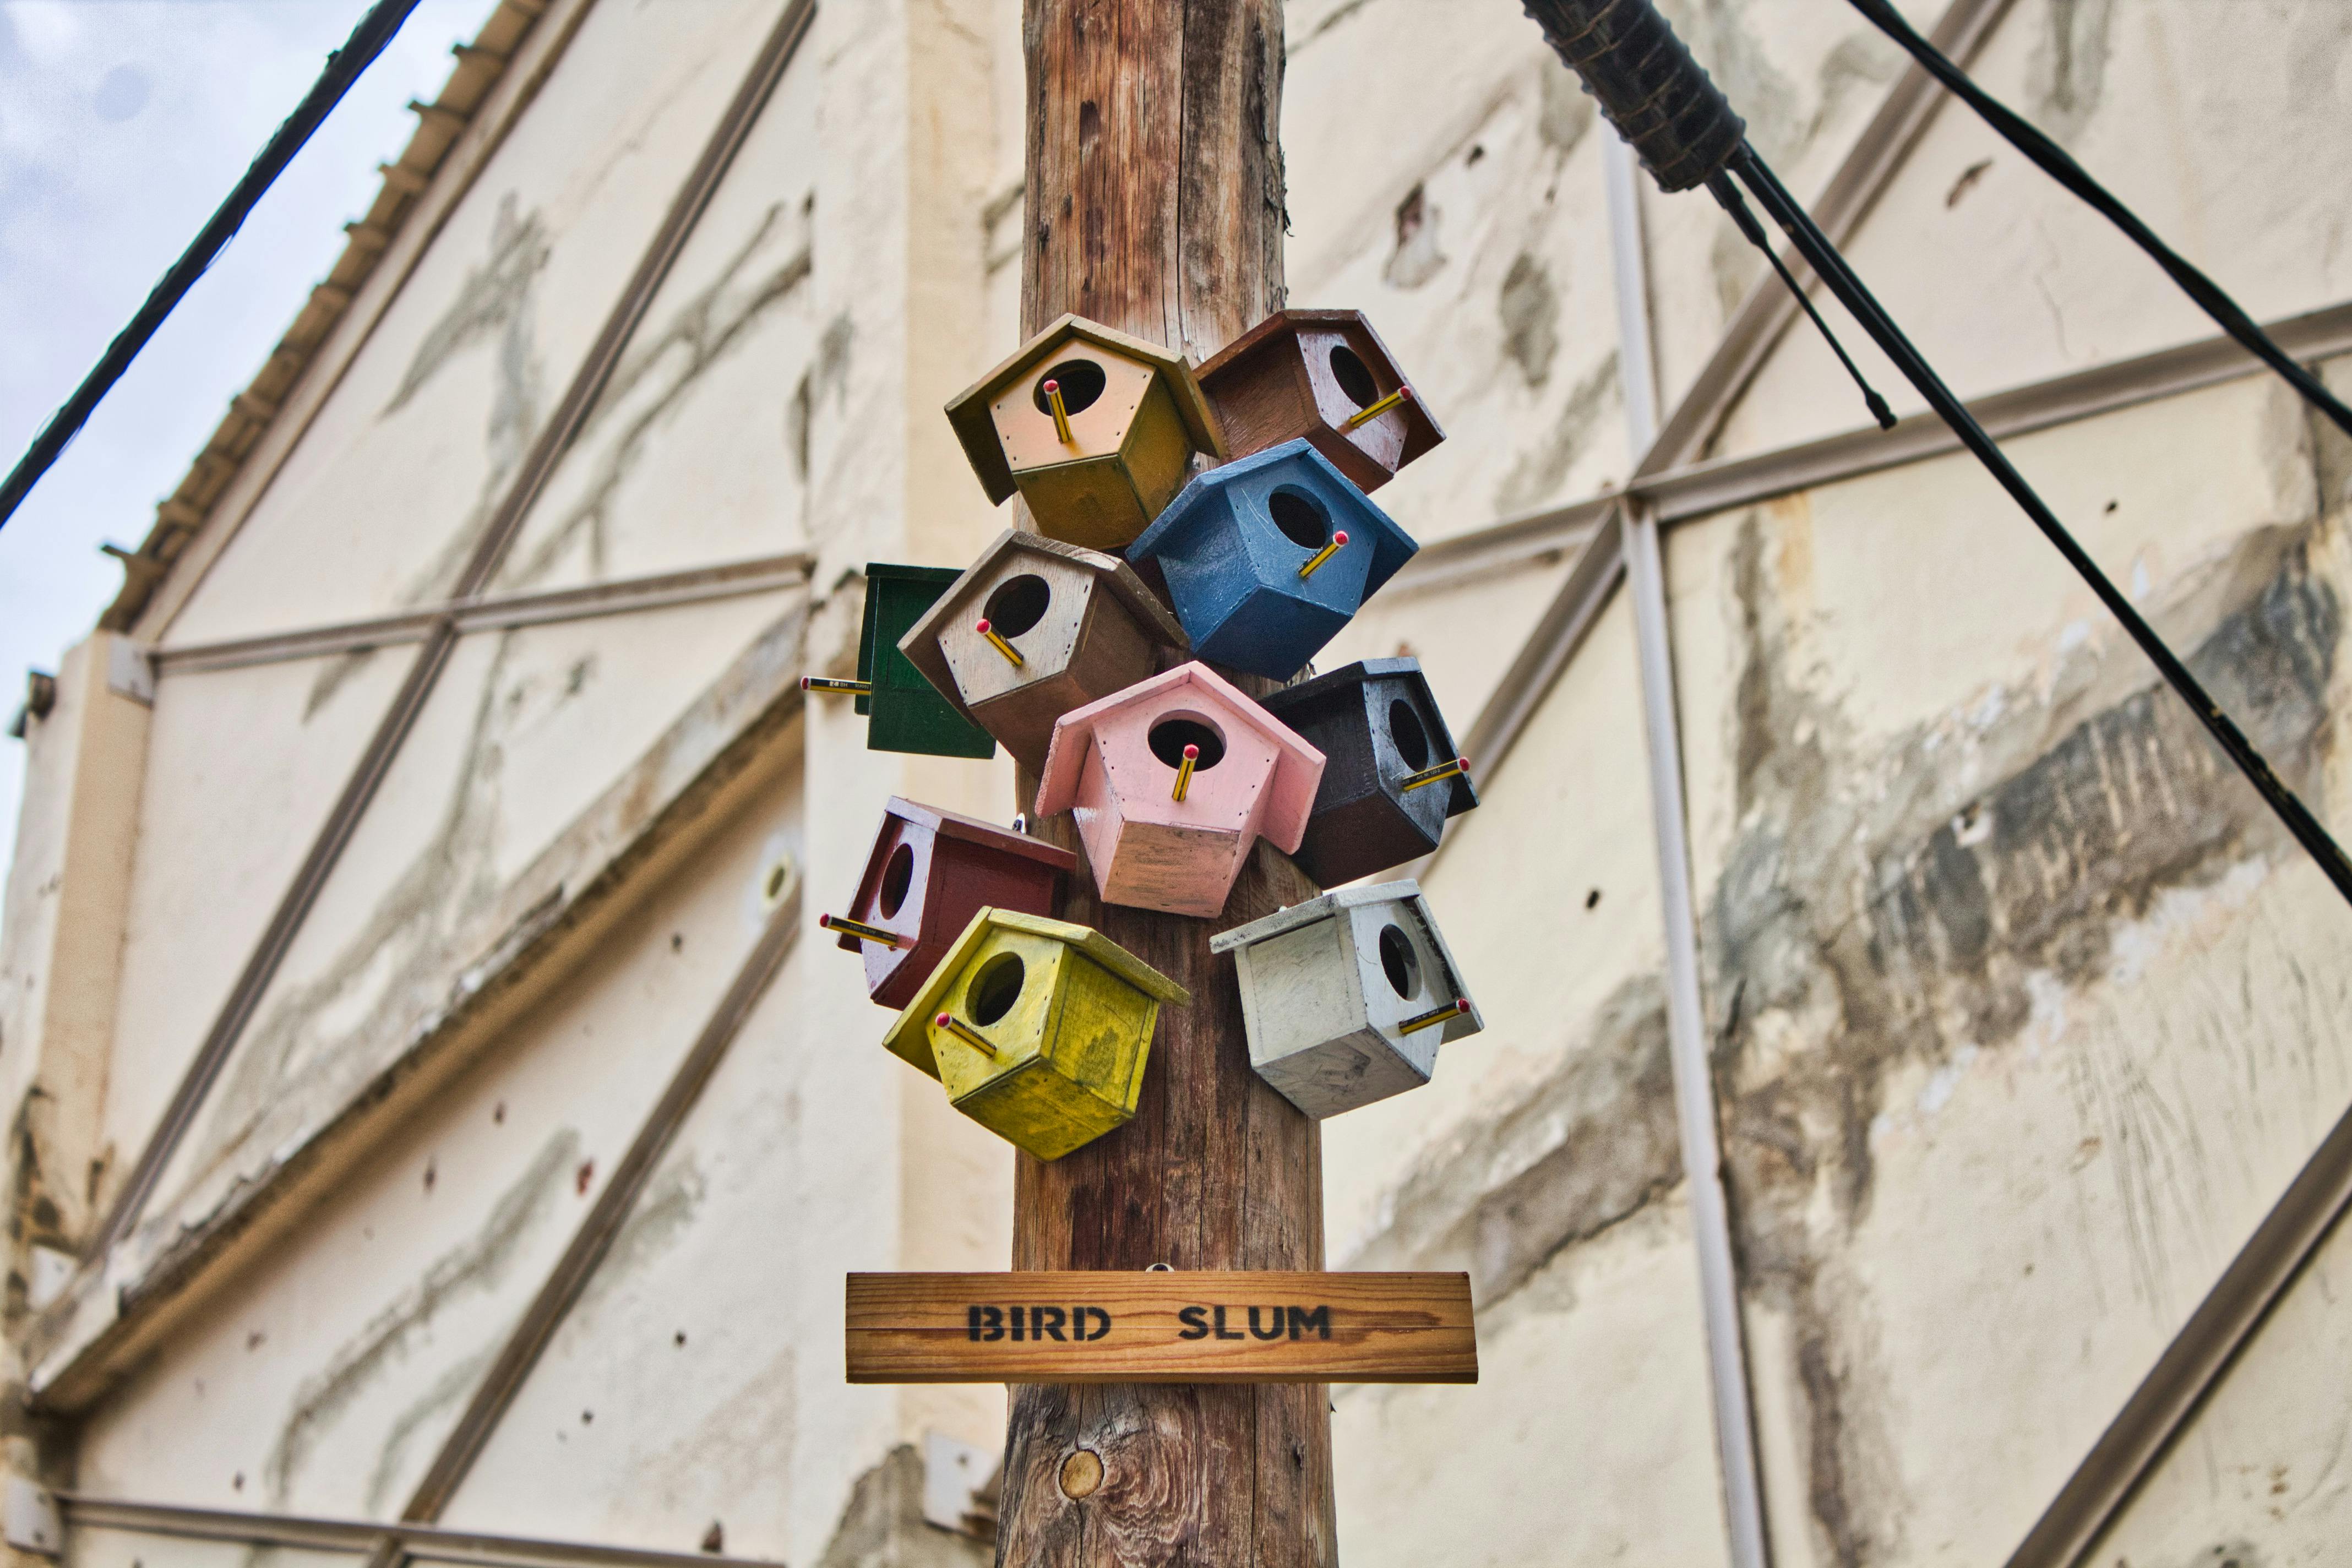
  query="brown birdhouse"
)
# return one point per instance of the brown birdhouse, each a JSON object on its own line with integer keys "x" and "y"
{"x": 1325, "y": 377}
{"x": 1095, "y": 428}
{"x": 929, "y": 872}
{"x": 1035, "y": 628}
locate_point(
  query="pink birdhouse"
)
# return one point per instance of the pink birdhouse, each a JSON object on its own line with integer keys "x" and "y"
{"x": 1171, "y": 781}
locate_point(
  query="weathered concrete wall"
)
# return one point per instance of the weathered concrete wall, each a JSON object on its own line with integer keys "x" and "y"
{"x": 394, "y": 482}
{"x": 325, "y": 1383}
{"x": 62, "y": 957}
{"x": 1541, "y": 1158}
{"x": 2022, "y": 1001}
{"x": 229, "y": 753}
{"x": 2022, "y": 1011}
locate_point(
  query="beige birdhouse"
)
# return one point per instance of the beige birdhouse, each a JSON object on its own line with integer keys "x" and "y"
{"x": 1095, "y": 428}
{"x": 1035, "y": 628}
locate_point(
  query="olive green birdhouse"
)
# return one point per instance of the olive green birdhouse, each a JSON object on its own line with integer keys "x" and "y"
{"x": 904, "y": 713}
{"x": 1035, "y": 628}
{"x": 1096, "y": 429}
{"x": 1038, "y": 1029}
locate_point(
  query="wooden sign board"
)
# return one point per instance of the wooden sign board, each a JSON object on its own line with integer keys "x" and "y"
{"x": 1206, "y": 1327}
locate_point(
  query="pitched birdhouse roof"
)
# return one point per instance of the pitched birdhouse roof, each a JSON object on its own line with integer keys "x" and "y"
{"x": 1288, "y": 792}
{"x": 1252, "y": 558}
{"x": 969, "y": 411}
{"x": 1343, "y": 693}
{"x": 1310, "y": 373}
{"x": 928, "y": 872}
{"x": 965, "y": 830}
{"x": 966, "y": 601}
{"x": 1404, "y": 903}
{"x": 907, "y": 1037}
{"x": 1346, "y": 998}
{"x": 1248, "y": 482}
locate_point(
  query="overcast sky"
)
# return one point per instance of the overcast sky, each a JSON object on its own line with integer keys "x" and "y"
{"x": 123, "y": 124}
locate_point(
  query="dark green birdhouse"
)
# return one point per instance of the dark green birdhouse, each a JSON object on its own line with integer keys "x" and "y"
{"x": 905, "y": 712}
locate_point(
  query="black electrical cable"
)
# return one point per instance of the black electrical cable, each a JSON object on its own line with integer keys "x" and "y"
{"x": 2060, "y": 166}
{"x": 1755, "y": 233}
{"x": 1849, "y": 289}
{"x": 344, "y": 67}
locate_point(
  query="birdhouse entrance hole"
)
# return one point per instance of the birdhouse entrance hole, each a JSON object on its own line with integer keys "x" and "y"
{"x": 996, "y": 988}
{"x": 896, "y": 878}
{"x": 1173, "y": 734}
{"x": 1412, "y": 740}
{"x": 1017, "y": 604}
{"x": 1355, "y": 377}
{"x": 1080, "y": 381}
{"x": 1301, "y": 518}
{"x": 1399, "y": 962}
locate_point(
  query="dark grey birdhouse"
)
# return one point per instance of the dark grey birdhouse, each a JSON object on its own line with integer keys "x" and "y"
{"x": 1386, "y": 791}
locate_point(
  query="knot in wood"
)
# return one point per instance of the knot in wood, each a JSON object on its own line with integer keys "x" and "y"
{"x": 1082, "y": 1474}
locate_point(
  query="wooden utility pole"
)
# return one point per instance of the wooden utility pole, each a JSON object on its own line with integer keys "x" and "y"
{"x": 1155, "y": 205}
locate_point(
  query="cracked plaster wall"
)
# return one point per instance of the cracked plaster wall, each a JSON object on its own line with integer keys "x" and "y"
{"x": 405, "y": 463}
{"x": 324, "y": 1384}
{"x": 2187, "y": 110}
{"x": 2022, "y": 1013}
{"x": 772, "y": 397}
{"x": 2022, "y": 1008}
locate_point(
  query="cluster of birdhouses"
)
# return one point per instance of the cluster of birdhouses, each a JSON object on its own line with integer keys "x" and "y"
{"x": 1184, "y": 520}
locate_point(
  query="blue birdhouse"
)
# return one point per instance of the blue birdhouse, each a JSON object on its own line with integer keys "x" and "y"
{"x": 1265, "y": 559}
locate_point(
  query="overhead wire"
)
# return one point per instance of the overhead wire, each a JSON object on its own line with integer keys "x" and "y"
{"x": 1662, "y": 102}
{"x": 1849, "y": 290}
{"x": 2059, "y": 166}
{"x": 1754, "y": 231}
{"x": 343, "y": 66}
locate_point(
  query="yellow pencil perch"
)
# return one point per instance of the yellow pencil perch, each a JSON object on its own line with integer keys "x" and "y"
{"x": 1038, "y": 1029}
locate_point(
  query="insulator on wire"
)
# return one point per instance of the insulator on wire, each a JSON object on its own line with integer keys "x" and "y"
{"x": 1648, "y": 86}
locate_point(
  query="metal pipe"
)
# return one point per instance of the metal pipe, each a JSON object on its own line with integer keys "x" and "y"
{"x": 1694, "y": 1107}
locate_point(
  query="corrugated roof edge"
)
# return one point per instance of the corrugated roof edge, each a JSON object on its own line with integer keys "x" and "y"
{"x": 481, "y": 65}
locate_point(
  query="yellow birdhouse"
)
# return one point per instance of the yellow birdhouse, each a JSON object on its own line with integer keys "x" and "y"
{"x": 1096, "y": 429}
{"x": 1038, "y": 1029}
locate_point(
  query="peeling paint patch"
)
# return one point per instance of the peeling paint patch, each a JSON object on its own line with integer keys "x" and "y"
{"x": 494, "y": 301}
{"x": 1566, "y": 109}
{"x": 654, "y": 381}
{"x": 1538, "y": 474}
{"x": 1416, "y": 257}
{"x": 2066, "y": 77}
{"x": 1530, "y": 308}
{"x": 1865, "y": 919}
{"x": 828, "y": 374}
{"x": 448, "y": 1392}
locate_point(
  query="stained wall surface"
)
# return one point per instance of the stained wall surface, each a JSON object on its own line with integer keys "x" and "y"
{"x": 2019, "y": 1011}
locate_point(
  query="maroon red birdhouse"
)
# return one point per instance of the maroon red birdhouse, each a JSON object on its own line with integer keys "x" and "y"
{"x": 929, "y": 873}
{"x": 1172, "y": 781}
{"x": 1323, "y": 376}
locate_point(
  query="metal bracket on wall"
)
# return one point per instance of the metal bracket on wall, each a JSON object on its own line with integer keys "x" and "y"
{"x": 29, "y": 1518}
{"x": 130, "y": 670}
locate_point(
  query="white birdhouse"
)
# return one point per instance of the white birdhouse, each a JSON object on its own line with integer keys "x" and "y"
{"x": 1347, "y": 997}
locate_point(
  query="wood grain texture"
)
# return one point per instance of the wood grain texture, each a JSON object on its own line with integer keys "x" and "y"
{"x": 1264, "y": 1326}
{"x": 1155, "y": 205}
